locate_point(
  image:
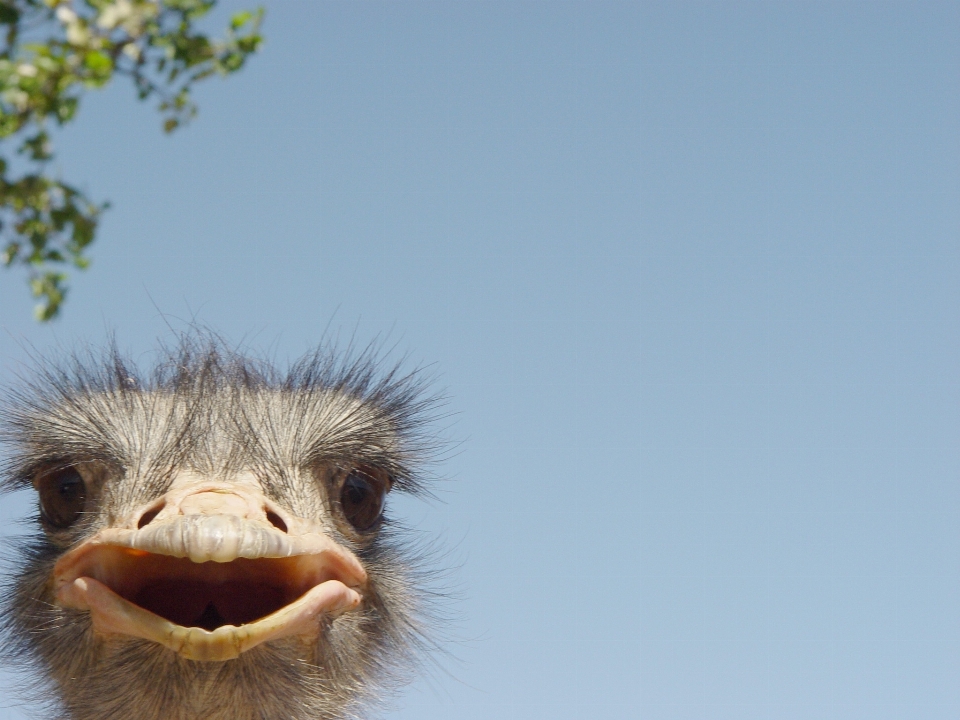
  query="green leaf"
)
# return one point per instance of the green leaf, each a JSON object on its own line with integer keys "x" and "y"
{"x": 10, "y": 253}
{"x": 49, "y": 287}
{"x": 9, "y": 14}
{"x": 66, "y": 109}
{"x": 37, "y": 147}
{"x": 240, "y": 19}
{"x": 98, "y": 62}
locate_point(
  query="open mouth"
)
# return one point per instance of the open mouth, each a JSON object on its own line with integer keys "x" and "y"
{"x": 206, "y": 595}
{"x": 211, "y": 605}
{"x": 210, "y": 610}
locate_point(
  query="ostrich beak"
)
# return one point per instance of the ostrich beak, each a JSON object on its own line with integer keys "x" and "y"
{"x": 210, "y": 573}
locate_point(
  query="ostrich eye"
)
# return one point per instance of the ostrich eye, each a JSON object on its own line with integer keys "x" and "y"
{"x": 361, "y": 498}
{"x": 62, "y": 496}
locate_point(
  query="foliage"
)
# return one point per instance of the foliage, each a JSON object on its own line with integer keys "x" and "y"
{"x": 55, "y": 50}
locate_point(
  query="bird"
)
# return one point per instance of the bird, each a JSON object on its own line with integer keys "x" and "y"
{"x": 212, "y": 538}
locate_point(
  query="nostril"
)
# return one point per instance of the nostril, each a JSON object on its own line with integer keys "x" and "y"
{"x": 148, "y": 517}
{"x": 276, "y": 521}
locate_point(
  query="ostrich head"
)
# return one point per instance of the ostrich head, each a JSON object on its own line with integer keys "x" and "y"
{"x": 211, "y": 539}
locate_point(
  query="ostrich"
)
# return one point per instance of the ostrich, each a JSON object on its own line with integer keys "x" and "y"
{"x": 211, "y": 539}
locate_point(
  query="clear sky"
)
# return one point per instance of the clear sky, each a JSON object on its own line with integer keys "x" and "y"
{"x": 690, "y": 274}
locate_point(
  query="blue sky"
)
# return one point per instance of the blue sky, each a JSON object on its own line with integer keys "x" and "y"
{"x": 690, "y": 275}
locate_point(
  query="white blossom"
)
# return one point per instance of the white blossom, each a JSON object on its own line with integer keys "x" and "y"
{"x": 130, "y": 15}
{"x": 132, "y": 51}
{"x": 66, "y": 15}
{"x": 16, "y": 97}
{"x": 113, "y": 15}
{"x": 77, "y": 34}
